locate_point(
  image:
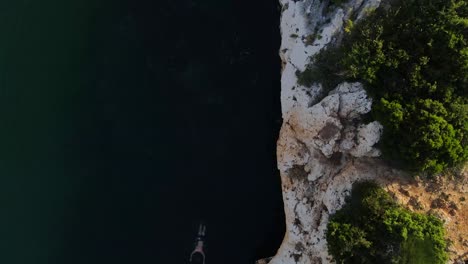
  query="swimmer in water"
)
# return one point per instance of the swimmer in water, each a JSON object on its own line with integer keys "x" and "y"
{"x": 198, "y": 255}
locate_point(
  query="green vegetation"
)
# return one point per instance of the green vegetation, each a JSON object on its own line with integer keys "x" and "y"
{"x": 309, "y": 40}
{"x": 413, "y": 60}
{"x": 372, "y": 228}
{"x": 337, "y": 2}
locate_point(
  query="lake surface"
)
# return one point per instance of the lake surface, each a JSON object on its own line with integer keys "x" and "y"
{"x": 125, "y": 123}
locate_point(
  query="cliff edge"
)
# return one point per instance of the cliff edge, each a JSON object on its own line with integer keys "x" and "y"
{"x": 325, "y": 144}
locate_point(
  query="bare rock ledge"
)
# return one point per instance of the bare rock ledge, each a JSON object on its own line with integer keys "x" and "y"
{"x": 324, "y": 146}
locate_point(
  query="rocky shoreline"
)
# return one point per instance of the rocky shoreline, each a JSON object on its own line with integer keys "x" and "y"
{"x": 325, "y": 145}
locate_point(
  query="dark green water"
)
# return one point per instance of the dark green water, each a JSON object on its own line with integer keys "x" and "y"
{"x": 126, "y": 123}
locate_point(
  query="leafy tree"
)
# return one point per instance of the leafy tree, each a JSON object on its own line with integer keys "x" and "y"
{"x": 413, "y": 60}
{"x": 372, "y": 228}
{"x": 347, "y": 238}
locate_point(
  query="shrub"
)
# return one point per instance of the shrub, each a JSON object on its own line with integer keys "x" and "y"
{"x": 413, "y": 60}
{"x": 372, "y": 228}
{"x": 337, "y": 2}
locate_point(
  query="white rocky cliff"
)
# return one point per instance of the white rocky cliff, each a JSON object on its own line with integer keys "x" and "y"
{"x": 324, "y": 146}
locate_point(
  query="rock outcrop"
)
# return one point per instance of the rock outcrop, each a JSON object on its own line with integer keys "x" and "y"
{"x": 324, "y": 145}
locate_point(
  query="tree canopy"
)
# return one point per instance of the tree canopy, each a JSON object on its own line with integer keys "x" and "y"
{"x": 372, "y": 228}
{"x": 413, "y": 60}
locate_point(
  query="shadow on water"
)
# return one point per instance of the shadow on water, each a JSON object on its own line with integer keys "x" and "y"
{"x": 173, "y": 118}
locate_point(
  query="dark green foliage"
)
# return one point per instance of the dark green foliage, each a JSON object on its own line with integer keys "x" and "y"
{"x": 337, "y": 2}
{"x": 413, "y": 59}
{"x": 323, "y": 71}
{"x": 372, "y": 228}
{"x": 309, "y": 40}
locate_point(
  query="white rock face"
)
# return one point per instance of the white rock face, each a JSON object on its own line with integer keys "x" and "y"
{"x": 324, "y": 146}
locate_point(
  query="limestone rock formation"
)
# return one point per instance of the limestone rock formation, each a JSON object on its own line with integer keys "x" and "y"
{"x": 324, "y": 144}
